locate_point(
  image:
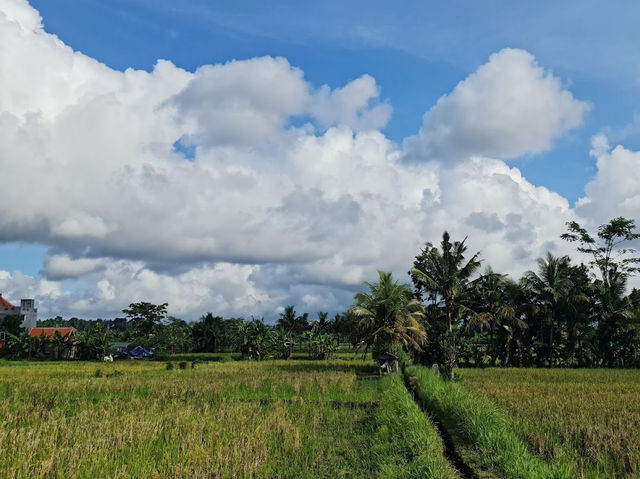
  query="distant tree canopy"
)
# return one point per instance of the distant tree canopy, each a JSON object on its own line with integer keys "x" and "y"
{"x": 148, "y": 324}
{"x": 145, "y": 316}
{"x": 561, "y": 313}
{"x": 11, "y": 324}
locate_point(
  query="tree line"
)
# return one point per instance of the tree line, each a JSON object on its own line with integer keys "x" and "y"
{"x": 149, "y": 325}
{"x": 560, "y": 314}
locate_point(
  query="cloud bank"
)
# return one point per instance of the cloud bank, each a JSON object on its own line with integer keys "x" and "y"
{"x": 293, "y": 195}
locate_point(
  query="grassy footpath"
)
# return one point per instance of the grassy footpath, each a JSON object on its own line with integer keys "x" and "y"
{"x": 483, "y": 436}
{"x": 238, "y": 419}
{"x": 406, "y": 443}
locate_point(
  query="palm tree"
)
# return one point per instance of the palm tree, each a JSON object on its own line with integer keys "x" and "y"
{"x": 498, "y": 312}
{"x": 615, "y": 315}
{"x": 388, "y": 315}
{"x": 322, "y": 321}
{"x": 446, "y": 277}
{"x": 551, "y": 288}
{"x": 287, "y": 319}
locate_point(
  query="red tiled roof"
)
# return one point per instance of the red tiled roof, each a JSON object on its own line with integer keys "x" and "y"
{"x": 4, "y": 303}
{"x": 49, "y": 333}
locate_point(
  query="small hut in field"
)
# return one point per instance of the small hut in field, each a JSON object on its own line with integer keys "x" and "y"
{"x": 387, "y": 362}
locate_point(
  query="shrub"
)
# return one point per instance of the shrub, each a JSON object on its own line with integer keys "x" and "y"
{"x": 169, "y": 366}
{"x": 182, "y": 365}
{"x": 161, "y": 354}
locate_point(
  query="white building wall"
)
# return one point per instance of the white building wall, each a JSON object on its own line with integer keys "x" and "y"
{"x": 27, "y": 310}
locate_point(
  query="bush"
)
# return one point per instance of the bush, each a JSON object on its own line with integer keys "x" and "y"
{"x": 182, "y": 365}
{"x": 169, "y": 366}
{"x": 161, "y": 354}
{"x": 98, "y": 373}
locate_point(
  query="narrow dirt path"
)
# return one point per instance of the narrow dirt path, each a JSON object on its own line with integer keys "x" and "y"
{"x": 450, "y": 452}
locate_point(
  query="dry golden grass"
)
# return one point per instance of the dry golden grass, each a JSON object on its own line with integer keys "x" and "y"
{"x": 590, "y": 418}
{"x": 219, "y": 420}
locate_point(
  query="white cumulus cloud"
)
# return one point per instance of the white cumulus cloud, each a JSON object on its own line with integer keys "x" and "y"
{"x": 615, "y": 189}
{"x": 507, "y": 108}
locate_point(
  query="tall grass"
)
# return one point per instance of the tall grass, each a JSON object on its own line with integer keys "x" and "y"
{"x": 406, "y": 442}
{"x": 222, "y": 357}
{"x": 482, "y": 434}
{"x": 590, "y": 417}
{"x": 220, "y": 420}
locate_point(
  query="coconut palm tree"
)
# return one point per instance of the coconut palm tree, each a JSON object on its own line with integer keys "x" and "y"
{"x": 551, "y": 287}
{"x": 388, "y": 315}
{"x": 498, "y": 312}
{"x": 615, "y": 316}
{"x": 446, "y": 276}
{"x": 287, "y": 319}
{"x": 322, "y": 322}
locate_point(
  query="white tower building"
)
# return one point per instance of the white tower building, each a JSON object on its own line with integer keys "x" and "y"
{"x": 27, "y": 311}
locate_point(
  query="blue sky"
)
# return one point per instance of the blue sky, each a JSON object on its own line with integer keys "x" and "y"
{"x": 416, "y": 54}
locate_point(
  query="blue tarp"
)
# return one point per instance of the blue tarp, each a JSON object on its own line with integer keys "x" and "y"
{"x": 136, "y": 351}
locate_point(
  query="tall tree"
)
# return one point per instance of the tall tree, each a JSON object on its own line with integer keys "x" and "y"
{"x": 287, "y": 319}
{"x": 322, "y": 322}
{"x": 612, "y": 264}
{"x": 388, "y": 315}
{"x": 207, "y": 333}
{"x": 446, "y": 276}
{"x": 604, "y": 249}
{"x": 551, "y": 287}
{"x": 498, "y": 311}
{"x": 145, "y": 316}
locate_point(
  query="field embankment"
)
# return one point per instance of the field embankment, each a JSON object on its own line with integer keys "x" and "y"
{"x": 482, "y": 435}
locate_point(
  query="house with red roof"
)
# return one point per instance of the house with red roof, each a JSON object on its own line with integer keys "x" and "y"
{"x": 68, "y": 334}
{"x": 50, "y": 333}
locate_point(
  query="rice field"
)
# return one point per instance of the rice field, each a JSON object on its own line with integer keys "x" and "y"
{"x": 296, "y": 419}
{"x": 587, "y": 418}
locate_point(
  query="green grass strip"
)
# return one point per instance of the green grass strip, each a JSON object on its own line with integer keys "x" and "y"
{"x": 406, "y": 444}
{"x": 482, "y": 434}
